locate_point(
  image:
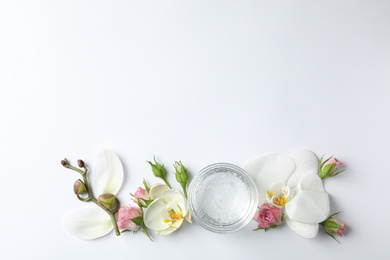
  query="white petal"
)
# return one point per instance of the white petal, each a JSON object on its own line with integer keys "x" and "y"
{"x": 157, "y": 190}
{"x": 306, "y": 163}
{"x": 175, "y": 197}
{"x": 188, "y": 217}
{"x": 165, "y": 231}
{"x": 302, "y": 229}
{"x": 108, "y": 174}
{"x": 155, "y": 214}
{"x": 178, "y": 223}
{"x": 267, "y": 169}
{"x": 88, "y": 223}
{"x": 310, "y": 203}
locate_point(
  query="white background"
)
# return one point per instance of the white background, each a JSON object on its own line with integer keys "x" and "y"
{"x": 201, "y": 82}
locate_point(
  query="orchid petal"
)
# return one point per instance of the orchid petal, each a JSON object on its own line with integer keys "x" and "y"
{"x": 157, "y": 190}
{"x": 177, "y": 198}
{"x": 178, "y": 223}
{"x": 302, "y": 229}
{"x": 166, "y": 231}
{"x": 155, "y": 214}
{"x": 310, "y": 203}
{"x": 108, "y": 173}
{"x": 88, "y": 223}
{"x": 268, "y": 169}
{"x": 306, "y": 163}
{"x": 188, "y": 217}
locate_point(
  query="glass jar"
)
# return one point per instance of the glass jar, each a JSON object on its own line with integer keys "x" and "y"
{"x": 222, "y": 198}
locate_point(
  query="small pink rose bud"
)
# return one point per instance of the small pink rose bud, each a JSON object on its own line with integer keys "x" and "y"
{"x": 333, "y": 226}
{"x": 79, "y": 187}
{"x": 81, "y": 163}
{"x": 63, "y": 163}
{"x": 129, "y": 218}
{"x": 329, "y": 167}
{"x": 141, "y": 194}
{"x": 107, "y": 200}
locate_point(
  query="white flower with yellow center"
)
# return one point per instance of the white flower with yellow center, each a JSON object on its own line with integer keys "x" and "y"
{"x": 168, "y": 210}
{"x": 292, "y": 183}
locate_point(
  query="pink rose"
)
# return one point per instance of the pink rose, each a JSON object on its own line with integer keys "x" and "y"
{"x": 141, "y": 194}
{"x": 125, "y": 214}
{"x": 333, "y": 227}
{"x": 339, "y": 230}
{"x": 336, "y": 165}
{"x": 329, "y": 167}
{"x": 268, "y": 216}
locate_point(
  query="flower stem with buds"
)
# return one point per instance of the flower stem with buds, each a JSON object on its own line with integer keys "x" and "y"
{"x": 90, "y": 197}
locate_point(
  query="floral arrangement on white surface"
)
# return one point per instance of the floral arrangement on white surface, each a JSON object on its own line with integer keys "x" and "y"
{"x": 290, "y": 189}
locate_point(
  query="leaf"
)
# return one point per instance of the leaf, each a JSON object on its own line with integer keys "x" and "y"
{"x": 139, "y": 221}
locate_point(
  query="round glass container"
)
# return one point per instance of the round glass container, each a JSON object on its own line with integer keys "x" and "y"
{"x": 222, "y": 198}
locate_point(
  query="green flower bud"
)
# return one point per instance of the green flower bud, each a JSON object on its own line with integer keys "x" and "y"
{"x": 333, "y": 227}
{"x": 181, "y": 173}
{"x": 79, "y": 187}
{"x": 329, "y": 167}
{"x": 158, "y": 169}
{"x": 181, "y": 176}
{"x": 107, "y": 200}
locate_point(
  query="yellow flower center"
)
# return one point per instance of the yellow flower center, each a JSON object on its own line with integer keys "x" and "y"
{"x": 175, "y": 216}
{"x": 279, "y": 200}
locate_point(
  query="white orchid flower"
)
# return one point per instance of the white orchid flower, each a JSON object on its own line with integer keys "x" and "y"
{"x": 168, "y": 210}
{"x": 292, "y": 182}
{"x": 91, "y": 223}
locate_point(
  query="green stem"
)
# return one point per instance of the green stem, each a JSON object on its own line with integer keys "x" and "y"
{"x": 166, "y": 182}
{"x": 112, "y": 216}
{"x": 91, "y": 197}
{"x": 183, "y": 185}
{"x": 84, "y": 174}
{"x": 73, "y": 168}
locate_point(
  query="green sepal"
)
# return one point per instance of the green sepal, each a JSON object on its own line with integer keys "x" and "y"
{"x": 333, "y": 238}
{"x": 147, "y": 202}
{"x": 146, "y": 234}
{"x": 320, "y": 163}
{"x": 334, "y": 214}
{"x": 327, "y": 159}
{"x": 125, "y": 230}
{"x": 266, "y": 228}
{"x": 324, "y": 222}
{"x": 337, "y": 173}
{"x": 332, "y": 224}
{"x": 146, "y": 186}
{"x": 326, "y": 170}
{"x": 332, "y": 232}
{"x": 139, "y": 221}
